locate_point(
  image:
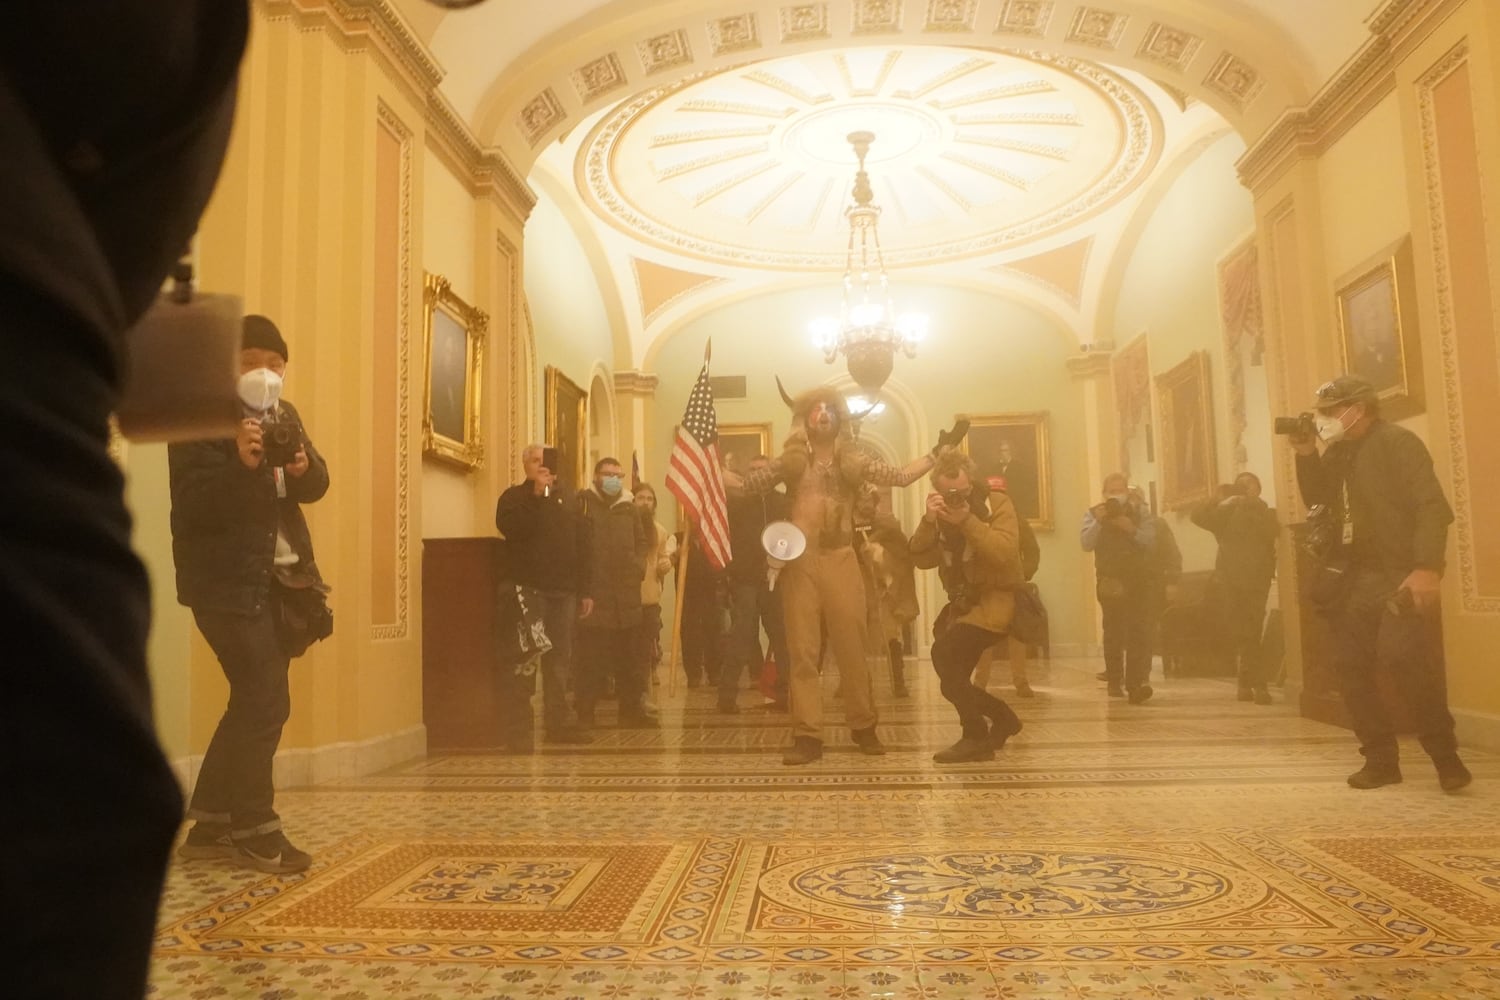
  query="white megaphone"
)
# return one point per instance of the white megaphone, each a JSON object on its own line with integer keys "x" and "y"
{"x": 783, "y": 542}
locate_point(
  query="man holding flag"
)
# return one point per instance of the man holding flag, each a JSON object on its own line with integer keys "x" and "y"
{"x": 695, "y": 476}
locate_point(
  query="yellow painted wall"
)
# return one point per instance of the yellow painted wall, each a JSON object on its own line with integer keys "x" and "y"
{"x": 449, "y": 504}
{"x": 572, "y": 326}
{"x": 1170, "y": 293}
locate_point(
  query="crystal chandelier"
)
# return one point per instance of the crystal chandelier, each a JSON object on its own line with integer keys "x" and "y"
{"x": 866, "y": 331}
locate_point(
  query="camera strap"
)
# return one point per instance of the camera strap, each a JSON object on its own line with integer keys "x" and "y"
{"x": 279, "y": 474}
{"x": 1348, "y": 535}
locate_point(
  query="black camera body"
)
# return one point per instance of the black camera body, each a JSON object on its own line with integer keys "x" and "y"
{"x": 279, "y": 441}
{"x": 1114, "y": 507}
{"x": 1302, "y": 425}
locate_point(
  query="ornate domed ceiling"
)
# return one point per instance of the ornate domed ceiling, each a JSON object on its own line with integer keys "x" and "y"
{"x": 975, "y": 151}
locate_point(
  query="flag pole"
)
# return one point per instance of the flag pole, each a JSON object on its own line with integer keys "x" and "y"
{"x": 682, "y": 572}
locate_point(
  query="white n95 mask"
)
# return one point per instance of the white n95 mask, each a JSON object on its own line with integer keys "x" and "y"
{"x": 260, "y": 389}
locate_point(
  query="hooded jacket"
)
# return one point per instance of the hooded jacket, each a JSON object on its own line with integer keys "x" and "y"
{"x": 623, "y": 537}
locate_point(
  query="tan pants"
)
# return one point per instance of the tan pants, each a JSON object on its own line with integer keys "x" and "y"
{"x": 1017, "y": 664}
{"x": 824, "y": 589}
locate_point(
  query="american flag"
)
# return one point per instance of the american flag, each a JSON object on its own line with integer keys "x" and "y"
{"x": 694, "y": 475}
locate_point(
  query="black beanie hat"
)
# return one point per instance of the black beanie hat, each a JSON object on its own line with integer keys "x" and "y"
{"x": 262, "y": 333}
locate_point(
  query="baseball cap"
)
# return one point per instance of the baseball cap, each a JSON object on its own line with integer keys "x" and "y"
{"x": 1344, "y": 389}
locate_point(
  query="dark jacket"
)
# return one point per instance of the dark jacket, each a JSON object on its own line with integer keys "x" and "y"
{"x": 623, "y": 535}
{"x": 1120, "y": 555}
{"x": 225, "y": 517}
{"x": 548, "y": 541}
{"x": 748, "y": 516}
{"x": 1031, "y": 552}
{"x": 1397, "y": 505}
{"x": 1246, "y": 531}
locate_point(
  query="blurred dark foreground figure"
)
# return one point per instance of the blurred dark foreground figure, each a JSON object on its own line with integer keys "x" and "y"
{"x": 114, "y": 117}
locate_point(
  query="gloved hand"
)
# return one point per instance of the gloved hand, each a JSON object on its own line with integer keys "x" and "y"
{"x": 950, "y": 439}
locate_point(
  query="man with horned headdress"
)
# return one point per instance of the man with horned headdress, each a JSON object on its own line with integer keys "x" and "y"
{"x": 823, "y": 590}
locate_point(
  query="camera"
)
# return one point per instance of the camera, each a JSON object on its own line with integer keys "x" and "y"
{"x": 279, "y": 442}
{"x": 1114, "y": 507}
{"x": 961, "y": 599}
{"x": 956, "y": 498}
{"x": 1301, "y": 425}
{"x": 1323, "y": 533}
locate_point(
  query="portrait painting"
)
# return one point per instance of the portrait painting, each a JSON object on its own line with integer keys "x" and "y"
{"x": 739, "y": 443}
{"x": 1377, "y": 329}
{"x": 454, "y": 332}
{"x": 566, "y": 428}
{"x": 1014, "y": 446}
{"x": 1184, "y": 405}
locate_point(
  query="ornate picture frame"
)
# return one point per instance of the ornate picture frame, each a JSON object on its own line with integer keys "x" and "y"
{"x": 1187, "y": 464}
{"x": 1378, "y": 338}
{"x": 566, "y": 427}
{"x": 1016, "y": 446}
{"x": 744, "y": 442}
{"x": 454, "y": 334}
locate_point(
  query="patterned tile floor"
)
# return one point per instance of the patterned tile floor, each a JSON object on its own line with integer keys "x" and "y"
{"x": 1193, "y": 847}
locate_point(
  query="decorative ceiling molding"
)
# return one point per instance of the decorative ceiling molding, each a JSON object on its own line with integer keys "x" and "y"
{"x": 1028, "y": 18}
{"x": 974, "y": 152}
{"x": 1171, "y": 47}
{"x": 1367, "y": 78}
{"x": 1097, "y": 27}
{"x": 377, "y": 26}
{"x": 1247, "y": 77}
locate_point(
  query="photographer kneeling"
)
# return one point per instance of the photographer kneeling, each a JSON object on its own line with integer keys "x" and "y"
{"x": 976, "y": 551}
{"x": 245, "y": 567}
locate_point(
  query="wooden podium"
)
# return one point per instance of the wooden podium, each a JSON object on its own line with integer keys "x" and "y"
{"x": 471, "y": 700}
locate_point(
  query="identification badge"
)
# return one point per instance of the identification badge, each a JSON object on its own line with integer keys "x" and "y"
{"x": 1348, "y": 532}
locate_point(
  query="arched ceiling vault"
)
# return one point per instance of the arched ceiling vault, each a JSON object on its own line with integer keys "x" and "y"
{"x": 698, "y": 147}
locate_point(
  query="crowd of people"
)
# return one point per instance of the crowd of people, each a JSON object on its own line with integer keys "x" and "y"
{"x": 598, "y": 561}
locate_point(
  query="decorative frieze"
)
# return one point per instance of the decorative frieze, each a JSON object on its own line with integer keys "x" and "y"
{"x": 539, "y": 115}
{"x": 1024, "y": 17}
{"x": 663, "y": 52}
{"x": 734, "y": 34}
{"x": 1097, "y": 27}
{"x": 599, "y": 77}
{"x": 1170, "y": 47}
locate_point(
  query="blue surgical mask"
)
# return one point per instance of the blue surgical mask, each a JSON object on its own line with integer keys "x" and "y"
{"x": 610, "y": 486}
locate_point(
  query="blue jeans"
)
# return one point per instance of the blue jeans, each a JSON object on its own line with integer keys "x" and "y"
{"x": 234, "y": 785}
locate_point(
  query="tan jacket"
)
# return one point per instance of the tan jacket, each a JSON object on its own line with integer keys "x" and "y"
{"x": 658, "y": 564}
{"x": 992, "y": 564}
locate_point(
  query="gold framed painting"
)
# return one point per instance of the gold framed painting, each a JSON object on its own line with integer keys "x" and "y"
{"x": 1184, "y": 406}
{"x": 1378, "y": 329}
{"x": 1015, "y": 446}
{"x": 454, "y": 337}
{"x": 566, "y": 427}
{"x": 739, "y": 443}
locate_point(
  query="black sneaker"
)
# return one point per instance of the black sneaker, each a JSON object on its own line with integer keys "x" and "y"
{"x": 1023, "y": 690}
{"x": 1140, "y": 695}
{"x": 271, "y": 853}
{"x": 207, "y": 841}
{"x": 1263, "y": 697}
{"x": 1375, "y": 775}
